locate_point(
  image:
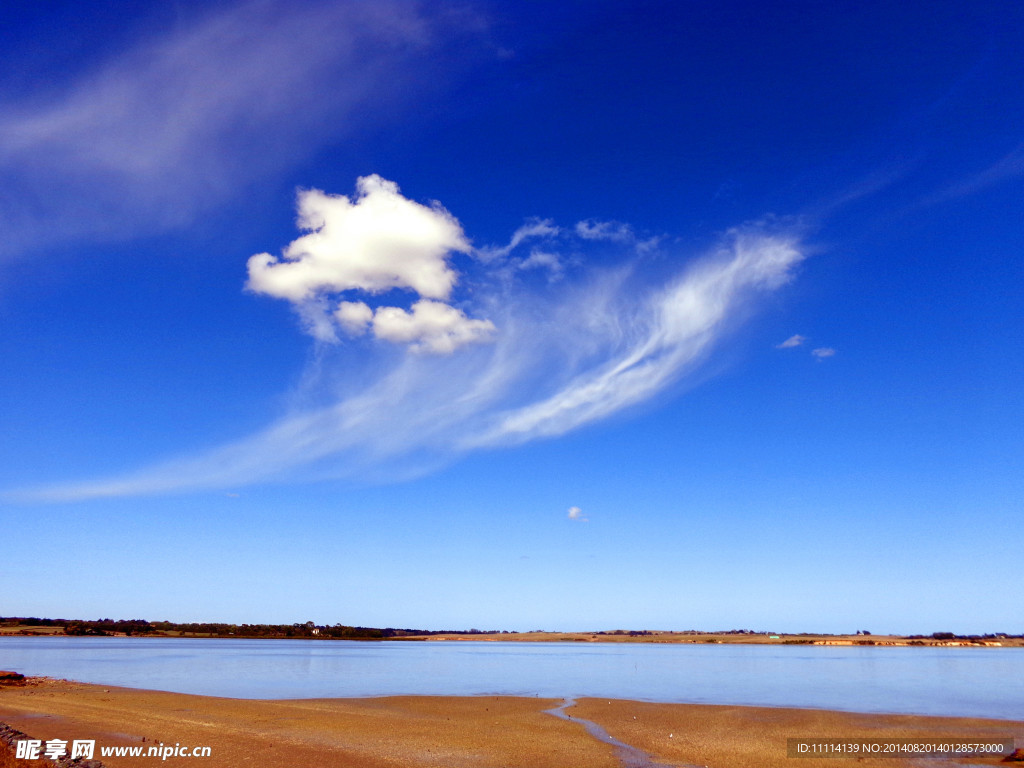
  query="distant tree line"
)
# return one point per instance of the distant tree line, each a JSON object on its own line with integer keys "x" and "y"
{"x": 102, "y": 627}
{"x": 953, "y": 636}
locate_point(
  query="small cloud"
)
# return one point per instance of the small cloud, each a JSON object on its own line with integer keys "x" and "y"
{"x": 575, "y": 513}
{"x": 533, "y": 228}
{"x": 432, "y": 326}
{"x": 650, "y": 244}
{"x": 373, "y": 243}
{"x": 822, "y": 352}
{"x": 232, "y": 495}
{"x": 544, "y": 260}
{"x": 793, "y": 341}
{"x": 604, "y": 230}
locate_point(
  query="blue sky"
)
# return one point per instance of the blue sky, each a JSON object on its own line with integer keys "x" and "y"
{"x": 456, "y": 315}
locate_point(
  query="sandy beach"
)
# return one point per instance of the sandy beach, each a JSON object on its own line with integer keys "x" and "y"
{"x": 482, "y": 732}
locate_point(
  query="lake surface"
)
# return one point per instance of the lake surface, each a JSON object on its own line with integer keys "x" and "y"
{"x": 982, "y": 682}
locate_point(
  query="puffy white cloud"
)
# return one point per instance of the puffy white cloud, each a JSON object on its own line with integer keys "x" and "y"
{"x": 793, "y": 341}
{"x": 432, "y": 326}
{"x": 376, "y": 242}
{"x": 822, "y": 352}
{"x": 373, "y": 243}
{"x": 575, "y": 513}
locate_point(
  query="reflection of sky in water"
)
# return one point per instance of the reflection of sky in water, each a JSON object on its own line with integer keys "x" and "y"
{"x": 951, "y": 681}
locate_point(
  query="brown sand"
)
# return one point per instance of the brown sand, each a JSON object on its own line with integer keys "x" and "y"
{"x": 755, "y": 737}
{"x": 363, "y": 733}
{"x": 450, "y": 732}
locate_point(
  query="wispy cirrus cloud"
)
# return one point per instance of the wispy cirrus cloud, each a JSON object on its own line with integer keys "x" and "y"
{"x": 178, "y": 123}
{"x": 662, "y": 338}
{"x": 605, "y": 230}
{"x": 532, "y": 229}
{"x": 1009, "y": 166}
{"x": 793, "y": 341}
{"x": 556, "y": 359}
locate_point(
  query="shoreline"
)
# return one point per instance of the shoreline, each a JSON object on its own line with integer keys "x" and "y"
{"x": 454, "y": 731}
{"x": 615, "y": 636}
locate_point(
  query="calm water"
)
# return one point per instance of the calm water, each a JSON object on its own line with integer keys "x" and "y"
{"x": 987, "y": 682}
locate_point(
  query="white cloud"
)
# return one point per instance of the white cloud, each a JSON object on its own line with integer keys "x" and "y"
{"x": 575, "y": 513}
{"x": 822, "y": 352}
{"x": 543, "y": 260}
{"x": 179, "y": 122}
{"x": 354, "y": 317}
{"x": 374, "y": 243}
{"x": 604, "y": 230}
{"x": 672, "y": 330}
{"x": 572, "y": 354}
{"x": 432, "y": 326}
{"x": 533, "y": 228}
{"x": 793, "y": 341}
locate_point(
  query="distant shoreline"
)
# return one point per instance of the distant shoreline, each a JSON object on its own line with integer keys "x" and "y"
{"x": 938, "y": 639}
{"x": 728, "y": 638}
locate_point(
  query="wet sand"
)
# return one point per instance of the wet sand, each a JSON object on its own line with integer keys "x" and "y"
{"x": 452, "y": 732}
